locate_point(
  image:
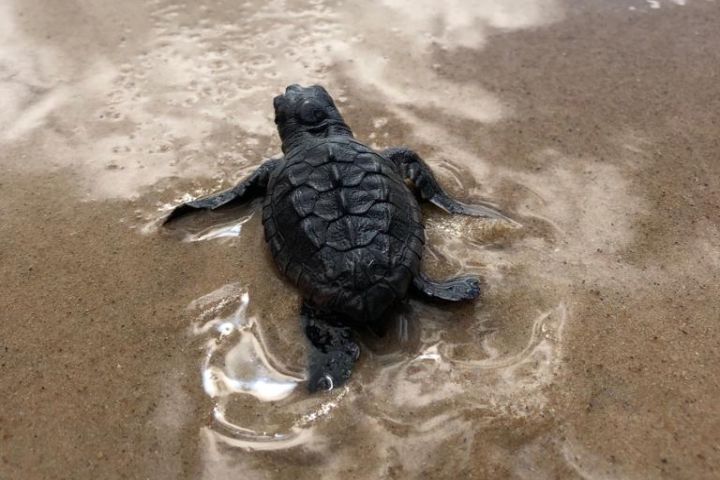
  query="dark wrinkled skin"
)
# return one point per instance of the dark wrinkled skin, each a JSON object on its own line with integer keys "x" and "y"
{"x": 343, "y": 226}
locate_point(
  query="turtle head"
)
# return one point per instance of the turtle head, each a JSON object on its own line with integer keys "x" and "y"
{"x": 304, "y": 112}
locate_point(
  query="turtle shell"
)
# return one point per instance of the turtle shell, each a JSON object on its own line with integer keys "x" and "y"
{"x": 344, "y": 228}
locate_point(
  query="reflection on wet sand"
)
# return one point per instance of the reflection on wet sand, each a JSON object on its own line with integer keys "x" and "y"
{"x": 237, "y": 364}
{"x": 591, "y": 354}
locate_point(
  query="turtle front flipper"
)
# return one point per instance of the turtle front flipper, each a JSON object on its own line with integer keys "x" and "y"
{"x": 413, "y": 168}
{"x": 466, "y": 287}
{"x": 247, "y": 189}
{"x": 332, "y": 351}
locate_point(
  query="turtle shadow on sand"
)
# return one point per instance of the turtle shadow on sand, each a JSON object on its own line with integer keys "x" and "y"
{"x": 344, "y": 226}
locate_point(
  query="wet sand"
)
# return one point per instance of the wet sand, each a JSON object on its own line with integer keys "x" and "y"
{"x": 129, "y": 351}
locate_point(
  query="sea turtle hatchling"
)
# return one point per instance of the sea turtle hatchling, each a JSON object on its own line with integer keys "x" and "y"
{"x": 343, "y": 226}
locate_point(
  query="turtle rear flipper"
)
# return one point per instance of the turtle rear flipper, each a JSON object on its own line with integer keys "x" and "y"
{"x": 466, "y": 287}
{"x": 247, "y": 189}
{"x": 413, "y": 168}
{"x": 332, "y": 351}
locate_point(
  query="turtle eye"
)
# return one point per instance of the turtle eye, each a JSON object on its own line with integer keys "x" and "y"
{"x": 311, "y": 113}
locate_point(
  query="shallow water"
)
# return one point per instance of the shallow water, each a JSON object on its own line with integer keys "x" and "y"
{"x": 129, "y": 351}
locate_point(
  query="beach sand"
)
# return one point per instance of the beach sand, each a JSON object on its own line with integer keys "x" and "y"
{"x": 132, "y": 351}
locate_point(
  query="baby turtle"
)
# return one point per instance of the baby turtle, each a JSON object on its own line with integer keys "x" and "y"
{"x": 343, "y": 226}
